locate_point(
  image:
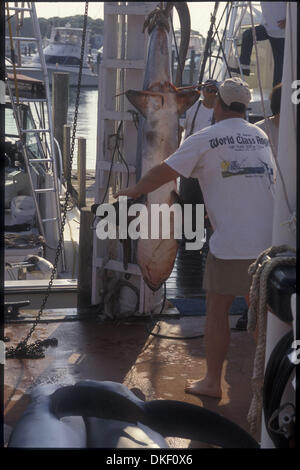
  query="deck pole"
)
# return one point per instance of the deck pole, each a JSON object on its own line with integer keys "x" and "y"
{"x": 192, "y": 68}
{"x": 85, "y": 258}
{"x": 60, "y": 102}
{"x": 67, "y": 153}
{"x": 81, "y": 171}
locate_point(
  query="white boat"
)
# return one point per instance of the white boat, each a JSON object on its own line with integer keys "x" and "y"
{"x": 41, "y": 231}
{"x": 33, "y": 195}
{"x": 62, "y": 54}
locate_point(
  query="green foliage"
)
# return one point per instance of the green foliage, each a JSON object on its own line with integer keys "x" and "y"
{"x": 94, "y": 25}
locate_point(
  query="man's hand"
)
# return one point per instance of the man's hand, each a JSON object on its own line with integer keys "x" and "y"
{"x": 281, "y": 24}
{"x": 153, "y": 179}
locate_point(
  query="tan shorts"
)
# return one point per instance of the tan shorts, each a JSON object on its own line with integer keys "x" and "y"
{"x": 227, "y": 276}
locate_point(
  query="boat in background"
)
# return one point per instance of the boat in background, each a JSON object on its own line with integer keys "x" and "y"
{"x": 34, "y": 194}
{"x": 41, "y": 230}
{"x": 62, "y": 54}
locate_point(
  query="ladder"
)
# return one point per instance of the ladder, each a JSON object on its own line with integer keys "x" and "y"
{"x": 239, "y": 18}
{"x": 122, "y": 67}
{"x": 39, "y": 108}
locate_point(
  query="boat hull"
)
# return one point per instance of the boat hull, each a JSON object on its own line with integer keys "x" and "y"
{"x": 89, "y": 79}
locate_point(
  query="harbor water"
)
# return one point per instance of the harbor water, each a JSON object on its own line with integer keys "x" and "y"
{"x": 86, "y": 123}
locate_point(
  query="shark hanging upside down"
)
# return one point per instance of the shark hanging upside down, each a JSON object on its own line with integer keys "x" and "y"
{"x": 161, "y": 104}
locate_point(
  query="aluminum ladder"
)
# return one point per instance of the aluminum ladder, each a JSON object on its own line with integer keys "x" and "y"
{"x": 43, "y": 132}
{"x": 230, "y": 45}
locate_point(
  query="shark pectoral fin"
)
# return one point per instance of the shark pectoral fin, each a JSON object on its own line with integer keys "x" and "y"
{"x": 185, "y": 99}
{"x": 139, "y": 100}
{"x": 145, "y": 100}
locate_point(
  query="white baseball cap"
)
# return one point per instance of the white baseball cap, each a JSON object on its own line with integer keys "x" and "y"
{"x": 235, "y": 90}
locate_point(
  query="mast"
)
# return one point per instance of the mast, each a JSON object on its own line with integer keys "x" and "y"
{"x": 208, "y": 42}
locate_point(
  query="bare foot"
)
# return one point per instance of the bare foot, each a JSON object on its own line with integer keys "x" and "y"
{"x": 201, "y": 387}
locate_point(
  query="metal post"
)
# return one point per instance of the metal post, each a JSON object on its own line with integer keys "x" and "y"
{"x": 60, "y": 101}
{"x": 85, "y": 257}
{"x": 81, "y": 171}
{"x": 67, "y": 154}
{"x": 173, "y": 66}
{"x": 192, "y": 67}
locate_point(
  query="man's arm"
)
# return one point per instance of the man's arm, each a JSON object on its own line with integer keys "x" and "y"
{"x": 153, "y": 179}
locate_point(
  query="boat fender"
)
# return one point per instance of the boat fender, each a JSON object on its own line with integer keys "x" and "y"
{"x": 22, "y": 210}
{"x": 41, "y": 269}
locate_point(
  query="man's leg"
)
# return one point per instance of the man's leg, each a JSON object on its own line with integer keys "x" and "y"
{"x": 277, "y": 45}
{"x": 246, "y": 47}
{"x": 217, "y": 338}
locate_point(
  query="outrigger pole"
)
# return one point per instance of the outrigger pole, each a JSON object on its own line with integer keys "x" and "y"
{"x": 208, "y": 42}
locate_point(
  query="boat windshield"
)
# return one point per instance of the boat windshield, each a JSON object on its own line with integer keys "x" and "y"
{"x": 66, "y": 36}
{"x": 35, "y": 147}
{"x": 62, "y": 60}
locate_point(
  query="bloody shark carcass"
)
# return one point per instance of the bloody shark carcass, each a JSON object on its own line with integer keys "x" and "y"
{"x": 161, "y": 105}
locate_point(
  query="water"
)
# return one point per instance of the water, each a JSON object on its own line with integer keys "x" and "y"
{"x": 86, "y": 123}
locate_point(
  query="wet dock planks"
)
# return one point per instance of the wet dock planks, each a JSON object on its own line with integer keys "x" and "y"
{"x": 187, "y": 275}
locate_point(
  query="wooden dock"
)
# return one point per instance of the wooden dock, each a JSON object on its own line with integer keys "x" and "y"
{"x": 90, "y": 186}
{"x": 187, "y": 275}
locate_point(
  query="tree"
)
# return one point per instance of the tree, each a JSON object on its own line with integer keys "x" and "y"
{"x": 95, "y": 25}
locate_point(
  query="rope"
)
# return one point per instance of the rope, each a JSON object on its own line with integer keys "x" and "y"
{"x": 257, "y": 318}
{"x": 13, "y": 240}
{"x": 158, "y": 15}
{"x": 74, "y": 250}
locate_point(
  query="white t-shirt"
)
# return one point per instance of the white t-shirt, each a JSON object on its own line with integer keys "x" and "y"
{"x": 273, "y": 12}
{"x": 234, "y": 165}
{"x": 274, "y": 131}
{"x": 203, "y": 118}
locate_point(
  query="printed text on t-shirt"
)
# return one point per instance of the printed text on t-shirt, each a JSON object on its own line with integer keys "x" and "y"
{"x": 239, "y": 140}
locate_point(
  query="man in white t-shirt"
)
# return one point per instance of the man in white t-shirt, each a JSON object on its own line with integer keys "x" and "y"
{"x": 233, "y": 162}
{"x": 198, "y": 116}
{"x": 271, "y": 124}
{"x": 273, "y": 28}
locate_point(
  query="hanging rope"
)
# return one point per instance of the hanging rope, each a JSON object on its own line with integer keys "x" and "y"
{"x": 257, "y": 320}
